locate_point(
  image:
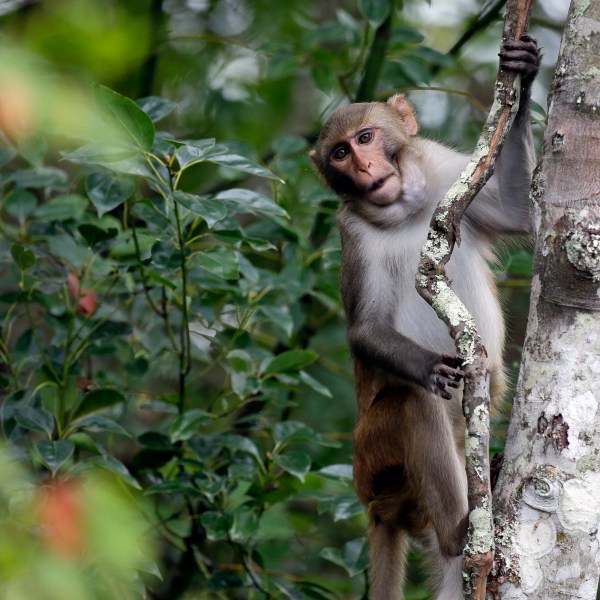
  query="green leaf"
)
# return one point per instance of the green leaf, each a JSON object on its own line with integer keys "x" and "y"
{"x": 62, "y": 208}
{"x": 21, "y": 204}
{"x": 165, "y": 255}
{"x": 279, "y": 316}
{"x": 216, "y": 525}
{"x": 135, "y": 124}
{"x": 99, "y": 423}
{"x": 107, "y": 191}
{"x": 324, "y": 77}
{"x": 252, "y": 202}
{"x": 244, "y": 526}
{"x": 64, "y": 247}
{"x": 6, "y": 155}
{"x": 354, "y": 557}
{"x": 115, "y": 466}
{"x": 211, "y": 210}
{"x": 289, "y": 145}
{"x": 240, "y": 163}
{"x": 343, "y": 506}
{"x": 34, "y": 419}
{"x": 154, "y": 276}
{"x": 40, "y": 177}
{"x": 187, "y": 424}
{"x": 314, "y": 384}
{"x": 191, "y": 152}
{"x": 235, "y": 237}
{"x": 23, "y": 257}
{"x": 240, "y": 360}
{"x": 84, "y": 441}
{"x": 98, "y": 399}
{"x": 295, "y": 431}
{"x": 295, "y": 463}
{"x": 155, "y": 441}
{"x": 375, "y": 11}
{"x": 220, "y": 262}
{"x": 244, "y": 385}
{"x": 156, "y": 108}
{"x": 240, "y": 444}
{"x": 94, "y": 235}
{"x": 177, "y": 486}
{"x": 291, "y": 360}
{"x": 54, "y": 454}
{"x": 338, "y": 472}
{"x": 403, "y": 36}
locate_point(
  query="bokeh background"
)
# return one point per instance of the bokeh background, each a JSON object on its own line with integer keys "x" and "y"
{"x": 177, "y": 394}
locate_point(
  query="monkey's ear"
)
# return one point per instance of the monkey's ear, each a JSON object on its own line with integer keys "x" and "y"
{"x": 402, "y": 107}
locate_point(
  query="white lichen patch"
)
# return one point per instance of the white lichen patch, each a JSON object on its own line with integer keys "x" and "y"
{"x": 481, "y": 420}
{"x": 536, "y": 538}
{"x": 578, "y": 506}
{"x": 481, "y": 522}
{"x": 531, "y": 574}
{"x": 471, "y": 445}
{"x": 580, "y": 411}
{"x": 447, "y": 302}
{"x": 436, "y": 248}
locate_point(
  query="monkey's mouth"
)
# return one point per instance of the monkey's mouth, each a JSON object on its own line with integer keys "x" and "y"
{"x": 378, "y": 184}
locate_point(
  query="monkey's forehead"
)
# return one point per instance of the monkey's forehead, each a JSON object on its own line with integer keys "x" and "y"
{"x": 346, "y": 121}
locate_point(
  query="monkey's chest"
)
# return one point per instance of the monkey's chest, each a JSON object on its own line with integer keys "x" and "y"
{"x": 472, "y": 282}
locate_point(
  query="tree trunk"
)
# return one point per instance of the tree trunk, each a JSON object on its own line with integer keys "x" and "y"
{"x": 547, "y": 500}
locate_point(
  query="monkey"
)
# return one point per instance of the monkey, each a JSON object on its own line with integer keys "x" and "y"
{"x": 408, "y": 439}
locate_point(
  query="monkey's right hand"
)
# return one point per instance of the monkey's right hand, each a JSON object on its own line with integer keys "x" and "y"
{"x": 446, "y": 373}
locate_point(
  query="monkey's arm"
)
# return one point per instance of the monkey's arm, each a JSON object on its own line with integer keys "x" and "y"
{"x": 369, "y": 300}
{"x": 502, "y": 207}
{"x": 379, "y": 345}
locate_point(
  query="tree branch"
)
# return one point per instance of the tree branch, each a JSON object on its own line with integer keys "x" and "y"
{"x": 433, "y": 285}
{"x": 375, "y": 60}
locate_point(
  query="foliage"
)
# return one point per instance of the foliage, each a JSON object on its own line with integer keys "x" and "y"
{"x": 169, "y": 308}
{"x": 153, "y": 332}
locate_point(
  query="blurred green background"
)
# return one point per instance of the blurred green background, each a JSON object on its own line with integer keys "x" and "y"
{"x": 177, "y": 394}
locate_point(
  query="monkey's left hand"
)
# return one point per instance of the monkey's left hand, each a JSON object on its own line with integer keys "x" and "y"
{"x": 521, "y": 56}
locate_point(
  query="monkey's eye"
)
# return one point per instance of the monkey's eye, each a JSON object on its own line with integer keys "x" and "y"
{"x": 365, "y": 137}
{"x": 340, "y": 153}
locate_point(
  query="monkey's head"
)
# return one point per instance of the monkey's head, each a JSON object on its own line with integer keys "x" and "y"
{"x": 358, "y": 150}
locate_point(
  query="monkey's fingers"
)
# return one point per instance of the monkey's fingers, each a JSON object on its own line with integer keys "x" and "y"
{"x": 518, "y": 56}
{"x": 451, "y": 373}
{"x": 438, "y": 387}
{"x": 527, "y": 37}
{"x": 453, "y": 360}
{"x": 529, "y": 47}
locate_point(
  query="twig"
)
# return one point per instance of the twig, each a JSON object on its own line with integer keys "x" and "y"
{"x": 433, "y": 286}
{"x": 375, "y": 60}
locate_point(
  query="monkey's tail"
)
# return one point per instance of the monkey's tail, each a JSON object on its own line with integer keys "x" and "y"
{"x": 389, "y": 545}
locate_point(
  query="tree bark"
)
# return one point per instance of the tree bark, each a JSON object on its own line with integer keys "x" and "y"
{"x": 547, "y": 500}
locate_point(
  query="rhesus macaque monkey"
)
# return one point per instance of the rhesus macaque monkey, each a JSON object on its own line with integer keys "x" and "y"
{"x": 408, "y": 457}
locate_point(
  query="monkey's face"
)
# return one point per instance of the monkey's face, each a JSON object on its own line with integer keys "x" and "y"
{"x": 359, "y": 154}
{"x": 359, "y": 166}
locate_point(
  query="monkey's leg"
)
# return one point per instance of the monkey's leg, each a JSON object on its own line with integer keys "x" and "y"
{"x": 446, "y": 571}
{"x": 388, "y": 546}
{"x": 436, "y": 469}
